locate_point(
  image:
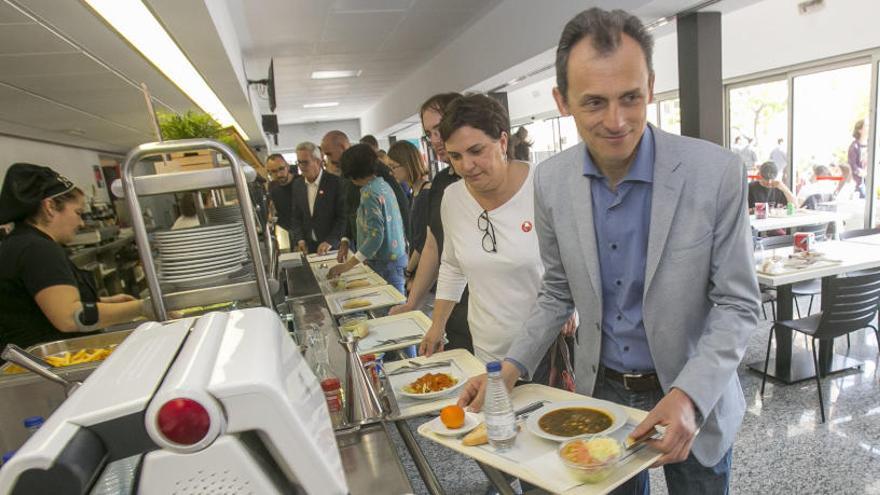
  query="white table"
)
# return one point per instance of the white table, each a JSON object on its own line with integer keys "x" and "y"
{"x": 873, "y": 240}
{"x": 799, "y": 219}
{"x": 853, "y": 256}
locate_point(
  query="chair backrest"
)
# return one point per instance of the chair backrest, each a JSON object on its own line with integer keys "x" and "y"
{"x": 850, "y": 304}
{"x": 849, "y": 234}
{"x": 820, "y": 230}
{"x": 775, "y": 241}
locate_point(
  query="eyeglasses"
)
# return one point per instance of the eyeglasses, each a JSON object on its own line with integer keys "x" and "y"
{"x": 488, "y": 230}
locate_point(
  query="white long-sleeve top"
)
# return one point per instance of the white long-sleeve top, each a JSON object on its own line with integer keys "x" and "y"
{"x": 503, "y": 285}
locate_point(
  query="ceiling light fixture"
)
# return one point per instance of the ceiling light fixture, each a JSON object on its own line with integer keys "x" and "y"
{"x": 335, "y": 74}
{"x": 134, "y": 22}
{"x": 322, "y": 105}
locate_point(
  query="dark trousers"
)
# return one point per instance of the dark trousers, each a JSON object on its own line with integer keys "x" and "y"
{"x": 683, "y": 478}
{"x": 458, "y": 333}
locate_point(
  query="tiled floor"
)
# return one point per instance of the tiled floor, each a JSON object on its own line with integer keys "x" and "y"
{"x": 781, "y": 449}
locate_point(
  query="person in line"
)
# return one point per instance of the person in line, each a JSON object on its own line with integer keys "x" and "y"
{"x": 43, "y": 295}
{"x": 666, "y": 293}
{"x": 380, "y": 240}
{"x": 857, "y": 156}
{"x": 281, "y": 190}
{"x": 372, "y": 142}
{"x": 457, "y": 331}
{"x": 318, "y": 213}
{"x": 769, "y": 189}
{"x": 409, "y": 170}
{"x": 334, "y": 144}
{"x": 521, "y": 146}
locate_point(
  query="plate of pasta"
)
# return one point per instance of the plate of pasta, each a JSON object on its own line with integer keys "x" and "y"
{"x": 432, "y": 385}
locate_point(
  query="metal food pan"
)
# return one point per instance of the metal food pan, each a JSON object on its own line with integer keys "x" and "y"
{"x": 99, "y": 340}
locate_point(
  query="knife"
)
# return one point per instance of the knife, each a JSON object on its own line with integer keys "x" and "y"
{"x": 534, "y": 406}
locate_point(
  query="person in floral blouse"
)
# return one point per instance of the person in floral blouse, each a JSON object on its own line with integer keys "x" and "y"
{"x": 380, "y": 232}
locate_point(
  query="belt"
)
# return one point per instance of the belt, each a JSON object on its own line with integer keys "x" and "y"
{"x": 634, "y": 382}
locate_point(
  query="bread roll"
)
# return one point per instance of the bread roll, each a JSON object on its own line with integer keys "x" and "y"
{"x": 356, "y": 303}
{"x": 477, "y": 436}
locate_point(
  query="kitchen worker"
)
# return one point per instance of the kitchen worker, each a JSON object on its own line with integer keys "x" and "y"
{"x": 43, "y": 296}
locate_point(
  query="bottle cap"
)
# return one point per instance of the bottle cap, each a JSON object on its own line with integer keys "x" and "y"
{"x": 493, "y": 366}
{"x": 8, "y": 456}
{"x": 34, "y": 421}
{"x": 330, "y": 384}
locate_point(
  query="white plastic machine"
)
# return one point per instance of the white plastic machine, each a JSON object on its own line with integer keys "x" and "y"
{"x": 223, "y": 403}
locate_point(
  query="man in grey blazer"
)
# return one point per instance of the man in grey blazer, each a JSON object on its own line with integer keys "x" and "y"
{"x": 647, "y": 235}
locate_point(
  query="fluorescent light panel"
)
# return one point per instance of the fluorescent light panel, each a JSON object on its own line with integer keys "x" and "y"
{"x": 322, "y": 105}
{"x": 136, "y": 23}
{"x": 335, "y": 74}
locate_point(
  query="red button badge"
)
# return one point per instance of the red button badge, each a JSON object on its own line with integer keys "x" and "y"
{"x": 526, "y": 226}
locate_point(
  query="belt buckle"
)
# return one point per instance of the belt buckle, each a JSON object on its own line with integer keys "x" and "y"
{"x": 633, "y": 376}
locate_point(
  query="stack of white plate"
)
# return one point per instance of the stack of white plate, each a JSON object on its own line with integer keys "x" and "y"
{"x": 223, "y": 214}
{"x": 201, "y": 255}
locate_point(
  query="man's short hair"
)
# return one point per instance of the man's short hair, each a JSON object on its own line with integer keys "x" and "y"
{"x": 358, "y": 162}
{"x": 438, "y": 103}
{"x": 311, "y": 147}
{"x": 604, "y": 29}
{"x": 821, "y": 171}
{"x": 370, "y": 140}
{"x": 275, "y": 157}
{"x": 769, "y": 171}
{"x": 478, "y": 111}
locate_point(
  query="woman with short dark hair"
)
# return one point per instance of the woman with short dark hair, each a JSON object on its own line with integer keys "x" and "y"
{"x": 380, "y": 233}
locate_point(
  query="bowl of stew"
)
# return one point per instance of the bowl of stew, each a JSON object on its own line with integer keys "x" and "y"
{"x": 561, "y": 421}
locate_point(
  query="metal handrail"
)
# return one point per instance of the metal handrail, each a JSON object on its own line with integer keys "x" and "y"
{"x": 140, "y": 229}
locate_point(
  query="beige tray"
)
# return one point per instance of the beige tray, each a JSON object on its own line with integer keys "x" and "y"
{"x": 389, "y": 327}
{"x": 321, "y": 272}
{"x": 532, "y": 447}
{"x": 467, "y": 364}
{"x": 378, "y": 297}
{"x": 327, "y": 286}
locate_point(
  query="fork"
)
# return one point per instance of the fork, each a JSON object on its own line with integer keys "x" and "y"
{"x": 407, "y": 368}
{"x": 399, "y": 339}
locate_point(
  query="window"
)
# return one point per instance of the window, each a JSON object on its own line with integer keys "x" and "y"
{"x": 568, "y": 133}
{"x": 827, "y": 158}
{"x": 543, "y": 140}
{"x": 670, "y": 116}
{"x": 759, "y": 124}
{"x": 652, "y": 114}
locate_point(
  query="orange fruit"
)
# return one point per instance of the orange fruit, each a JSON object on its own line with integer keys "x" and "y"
{"x": 452, "y": 417}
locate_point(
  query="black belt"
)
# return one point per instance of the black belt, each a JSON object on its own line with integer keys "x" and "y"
{"x": 634, "y": 382}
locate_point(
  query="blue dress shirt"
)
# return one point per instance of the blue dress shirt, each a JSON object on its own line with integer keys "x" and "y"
{"x": 622, "y": 219}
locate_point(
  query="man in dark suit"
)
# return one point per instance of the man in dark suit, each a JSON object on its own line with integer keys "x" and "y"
{"x": 318, "y": 209}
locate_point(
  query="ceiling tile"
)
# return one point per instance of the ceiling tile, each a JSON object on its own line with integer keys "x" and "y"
{"x": 42, "y": 65}
{"x": 9, "y": 15}
{"x": 371, "y": 6}
{"x": 30, "y": 38}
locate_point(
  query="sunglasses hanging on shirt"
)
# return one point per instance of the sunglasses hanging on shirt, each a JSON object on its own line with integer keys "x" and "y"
{"x": 488, "y": 231}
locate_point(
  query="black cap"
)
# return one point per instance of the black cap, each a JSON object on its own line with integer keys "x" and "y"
{"x": 25, "y": 186}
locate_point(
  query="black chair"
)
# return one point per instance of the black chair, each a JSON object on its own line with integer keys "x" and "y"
{"x": 851, "y": 304}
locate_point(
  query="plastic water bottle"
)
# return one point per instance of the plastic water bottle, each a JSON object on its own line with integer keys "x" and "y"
{"x": 33, "y": 424}
{"x": 498, "y": 410}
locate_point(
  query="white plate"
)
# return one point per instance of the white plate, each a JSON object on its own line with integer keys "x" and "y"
{"x": 197, "y": 270}
{"x": 195, "y": 231}
{"x": 204, "y": 241}
{"x": 378, "y": 297}
{"x": 200, "y": 276}
{"x": 453, "y": 371}
{"x": 471, "y": 421}
{"x": 202, "y": 253}
{"x": 617, "y": 413}
{"x": 192, "y": 257}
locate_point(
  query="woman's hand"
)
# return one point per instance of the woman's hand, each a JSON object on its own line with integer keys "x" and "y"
{"x": 118, "y": 298}
{"x": 337, "y": 270}
{"x": 432, "y": 341}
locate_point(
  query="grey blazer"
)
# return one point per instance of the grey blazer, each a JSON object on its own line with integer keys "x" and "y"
{"x": 701, "y": 295}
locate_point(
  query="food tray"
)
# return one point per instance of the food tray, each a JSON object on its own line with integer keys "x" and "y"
{"x": 321, "y": 271}
{"x": 533, "y": 459}
{"x": 318, "y": 258}
{"x": 372, "y": 279}
{"x": 378, "y": 297}
{"x": 392, "y": 327}
{"x": 408, "y": 408}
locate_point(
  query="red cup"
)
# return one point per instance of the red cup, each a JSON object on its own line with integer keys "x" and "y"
{"x": 804, "y": 241}
{"x": 761, "y": 210}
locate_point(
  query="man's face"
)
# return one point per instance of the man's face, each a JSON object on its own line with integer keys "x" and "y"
{"x": 308, "y": 165}
{"x": 608, "y": 97}
{"x": 332, "y": 150}
{"x": 431, "y": 125}
{"x": 279, "y": 171}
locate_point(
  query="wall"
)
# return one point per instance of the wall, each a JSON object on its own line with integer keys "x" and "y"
{"x": 292, "y": 134}
{"x": 74, "y": 163}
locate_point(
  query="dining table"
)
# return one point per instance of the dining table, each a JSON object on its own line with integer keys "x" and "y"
{"x": 835, "y": 258}
{"x": 779, "y": 219}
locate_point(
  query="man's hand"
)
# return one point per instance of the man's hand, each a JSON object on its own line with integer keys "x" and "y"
{"x": 433, "y": 340}
{"x": 775, "y": 183}
{"x": 676, "y": 412}
{"x": 118, "y": 298}
{"x": 343, "y": 252}
{"x": 400, "y": 308}
{"x": 474, "y": 390}
{"x": 571, "y": 325}
{"x": 323, "y": 248}
{"x": 301, "y": 245}
{"x": 337, "y": 270}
